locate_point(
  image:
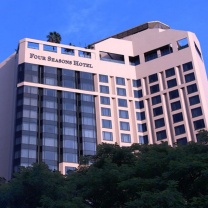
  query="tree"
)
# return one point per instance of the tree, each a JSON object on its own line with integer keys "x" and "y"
{"x": 54, "y": 37}
{"x": 156, "y": 176}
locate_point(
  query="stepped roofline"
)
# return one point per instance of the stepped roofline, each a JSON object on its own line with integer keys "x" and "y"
{"x": 137, "y": 29}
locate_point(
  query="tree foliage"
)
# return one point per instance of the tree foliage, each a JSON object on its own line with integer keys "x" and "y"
{"x": 54, "y": 37}
{"x": 156, "y": 176}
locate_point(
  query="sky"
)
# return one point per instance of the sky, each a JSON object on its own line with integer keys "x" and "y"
{"x": 82, "y": 22}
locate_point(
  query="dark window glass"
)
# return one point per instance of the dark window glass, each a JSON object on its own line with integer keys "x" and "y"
{"x": 159, "y": 123}
{"x": 158, "y": 111}
{"x": 126, "y": 138}
{"x": 105, "y": 112}
{"x": 182, "y": 141}
{"x": 165, "y": 50}
{"x": 194, "y": 100}
{"x": 170, "y": 72}
{"x": 121, "y": 91}
{"x": 177, "y": 117}
{"x": 124, "y": 126}
{"x": 108, "y": 136}
{"x": 153, "y": 78}
{"x": 154, "y": 88}
{"x": 122, "y": 102}
{"x": 199, "y": 124}
{"x": 142, "y": 127}
{"x": 138, "y": 93}
{"x": 179, "y": 130}
{"x": 156, "y": 100}
{"x": 196, "y": 112}
{"x": 161, "y": 135}
{"x": 106, "y": 124}
{"x": 150, "y": 55}
{"x": 187, "y": 66}
{"x": 175, "y": 105}
{"x": 172, "y": 83}
{"x": 139, "y": 104}
{"x": 120, "y": 81}
{"x": 103, "y": 78}
{"x": 136, "y": 83}
{"x": 173, "y": 94}
{"x": 105, "y": 100}
{"x": 140, "y": 115}
{"x": 192, "y": 88}
{"x": 143, "y": 139}
{"x": 104, "y": 89}
{"x": 190, "y": 77}
{"x": 123, "y": 114}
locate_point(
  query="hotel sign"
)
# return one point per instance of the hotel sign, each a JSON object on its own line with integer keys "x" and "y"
{"x": 63, "y": 61}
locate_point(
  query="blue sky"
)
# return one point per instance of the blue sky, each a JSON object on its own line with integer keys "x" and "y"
{"x": 82, "y": 22}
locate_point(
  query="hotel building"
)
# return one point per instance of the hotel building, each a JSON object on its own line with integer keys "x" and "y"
{"x": 145, "y": 85}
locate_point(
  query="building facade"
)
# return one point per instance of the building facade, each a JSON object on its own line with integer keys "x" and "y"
{"x": 145, "y": 85}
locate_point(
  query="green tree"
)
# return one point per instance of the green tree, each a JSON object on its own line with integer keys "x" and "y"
{"x": 54, "y": 37}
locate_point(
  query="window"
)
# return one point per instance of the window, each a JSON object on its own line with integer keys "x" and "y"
{"x": 198, "y": 51}
{"x": 104, "y": 89}
{"x": 126, "y": 138}
{"x": 103, "y": 78}
{"x": 108, "y": 136}
{"x": 134, "y": 60}
{"x": 28, "y": 153}
{"x": 138, "y": 93}
{"x": 154, "y": 88}
{"x": 122, "y": 102}
{"x": 139, "y": 104}
{"x": 177, "y": 117}
{"x": 143, "y": 139}
{"x": 33, "y": 45}
{"x": 165, "y": 50}
{"x": 172, "y": 83}
{"x": 194, "y": 100}
{"x": 150, "y": 55}
{"x": 158, "y": 111}
{"x": 136, "y": 83}
{"x": 142, "y": 127}
{"x": 105, "y": 100}
{"x": 124, "y": 126}
{"x": 140, "y": 116}
{"x": 170, "y": 72}
{"x": 120, "y": 81}
{"x": 187, "y": 66}
{"x": 159, "y": 123}
{"x": 121, "y": 91}
{"x": 50, "y": 48}
{"x": 156, "y": 100}
{"x": 190, "y": 77}
{"x": 106, "y": 124}
{"x": 84, "y": 54}
{"x": 199, "y": 124}
{"x": 182, "y": 141}
{"x": 123, "y": 114}
{"x": 153, "y": 78}
{"x": 67, "y": 51}
{"x": 196, "y": 112}
{"x": 112, "y": 57}
{"x": 173, "y": 94}
{"x": 179, "y": 130}
{"x": 105, "y": 111}
{"x": 175, "y": 105}
{"x": 191, "y": 88}
{"x": 161, "y": 135}
{"x": 183, "y": 43}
